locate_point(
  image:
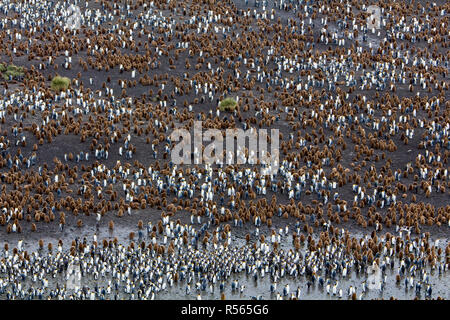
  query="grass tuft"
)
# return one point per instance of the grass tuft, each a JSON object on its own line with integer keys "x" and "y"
{"x": 227, "y": 104}
{"x": 60, "y": 83}
{"x": 11, "y": 72}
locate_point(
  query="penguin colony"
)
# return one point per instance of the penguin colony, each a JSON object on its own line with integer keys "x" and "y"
{"x": 87, "y": 180}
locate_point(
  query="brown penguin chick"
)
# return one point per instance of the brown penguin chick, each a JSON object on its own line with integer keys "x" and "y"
{"x": 275, "y": 246}
{"x": 262, "y": 238}
{"x": 302, "y": 238}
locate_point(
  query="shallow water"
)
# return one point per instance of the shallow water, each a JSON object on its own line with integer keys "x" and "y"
{"x": 261, "y": 288}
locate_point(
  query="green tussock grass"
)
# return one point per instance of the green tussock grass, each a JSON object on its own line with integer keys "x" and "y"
{"x": 60, "y": 83}
{"x": 11, "y": 72}
{"x": 227, "y": 104}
